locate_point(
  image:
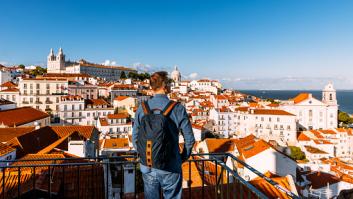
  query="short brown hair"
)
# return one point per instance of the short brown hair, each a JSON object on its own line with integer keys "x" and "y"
{"x": 159, "y": 80}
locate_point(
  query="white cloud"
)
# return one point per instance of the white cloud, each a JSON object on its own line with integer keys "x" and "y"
{"x": 142, "y": 67}
{"x": 108, "y": 62}
{"x": 193, "y": 75}
{"x": 4, "y": 63}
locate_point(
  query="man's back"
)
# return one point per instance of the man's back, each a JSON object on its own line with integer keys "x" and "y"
{"x": 180, "y": 118}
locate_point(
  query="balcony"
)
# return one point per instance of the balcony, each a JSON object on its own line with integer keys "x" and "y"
{"x": 204, "y": 176}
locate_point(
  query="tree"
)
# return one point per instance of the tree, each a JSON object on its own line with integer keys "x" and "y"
{"x": 123, "y": 75}
{"x": 296, "y": 153}
{"x": 344, "y": 118}
{"x": 21, "y": 66}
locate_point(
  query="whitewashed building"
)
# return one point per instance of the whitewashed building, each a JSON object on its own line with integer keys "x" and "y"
{"x": 313, "y": 113}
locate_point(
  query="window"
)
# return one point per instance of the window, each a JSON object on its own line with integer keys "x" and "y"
{"x": 38, "y": 86}
{"x": 25, "y": 86}
{"x": 331, "y": 96}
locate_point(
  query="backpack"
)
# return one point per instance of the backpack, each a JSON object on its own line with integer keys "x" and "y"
{"x": 155, "y": 142}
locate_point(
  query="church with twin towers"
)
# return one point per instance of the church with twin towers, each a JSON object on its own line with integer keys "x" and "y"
{"x": 58, "y": 64}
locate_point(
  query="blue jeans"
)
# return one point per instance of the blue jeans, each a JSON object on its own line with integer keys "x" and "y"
{"x": 155, "y": 179}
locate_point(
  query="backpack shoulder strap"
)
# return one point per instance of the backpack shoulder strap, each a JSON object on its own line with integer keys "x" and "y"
{"x": 145, "y": 107}
{"x": 169, "y": 107}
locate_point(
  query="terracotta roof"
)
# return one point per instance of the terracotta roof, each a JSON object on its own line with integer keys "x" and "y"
{"x": 115, "y": 143}
{"x": 269, "y": 190}
{"x": 220, "y": 97}
{"x": 332, "y": 132}
{"x": 5, "y": 149}
{"x": 10, "y": 90}
{"x": 311, "y": 149}
{"x": 96, "y": 102}
{"x": 66, "y": 75}
{"x": 121, "y": 98}
{"x": 322, "y": 142}
{"x": 103, "y": 121}
{"x": 220, "y": 145}
{"x": 251, "y": 150}
{"x": 20, "y": 116}
{"x": 118, "y": 116}
{"x": 271, "y": 112}
{"x": 36, "y": 159}
{"x": 196, "y": 178}
{"x": 8, "y": 84}
{"x": 303, "y": 137}
{"x": 301, "y": 97}
{"x": 321, "y": 179}
{"x": 85, "y": 131}
{"x": 317, "y": 134}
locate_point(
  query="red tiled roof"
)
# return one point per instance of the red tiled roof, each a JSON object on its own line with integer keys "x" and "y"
{"x": 303, "y": 137}
{"x": 118, "y": 116}
{"x": 115, "y": 143}
{"x": 7, "y": 134}
{"x": 301, "y": 97}
{"x": 20, "y": 116}
{"x": 5, "y": 149}
{"x": 311, "y": 149}
{"x": 251, "y": 150}
{"x": 220, "y": 145}
{"x": 321, "y": 179}
{"x": 10, "y": 90}
{"x": 269, "y": 190}
{"x": 121, "y": 98}
{"x": 96, "y": 102}
{"x": 8, "y": 84}
{"x": 85, "y": 131}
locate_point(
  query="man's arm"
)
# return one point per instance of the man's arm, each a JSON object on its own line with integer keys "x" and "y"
{"x": 186, "y": 128}
{"x": 136, "y": 126}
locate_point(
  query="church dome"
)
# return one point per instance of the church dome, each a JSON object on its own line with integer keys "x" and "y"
{"x": 176, "y": 75}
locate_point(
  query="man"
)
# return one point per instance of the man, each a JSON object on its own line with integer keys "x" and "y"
{"x": 169, "y": 178}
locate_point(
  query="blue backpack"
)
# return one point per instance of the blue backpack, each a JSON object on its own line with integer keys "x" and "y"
{"x": 155, "y": 142}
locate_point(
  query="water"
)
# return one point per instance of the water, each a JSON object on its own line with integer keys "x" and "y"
{"x": 344, "y": 97}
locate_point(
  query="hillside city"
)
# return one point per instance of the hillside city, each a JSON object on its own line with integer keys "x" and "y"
{"x": 80, "y": 109}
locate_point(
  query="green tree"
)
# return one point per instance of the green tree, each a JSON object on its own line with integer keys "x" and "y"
{"x": 296, "y": 153}
{"x": 123, "y": 75}
{"x": 344, "y": 117}
{"x": 21, "y": 66}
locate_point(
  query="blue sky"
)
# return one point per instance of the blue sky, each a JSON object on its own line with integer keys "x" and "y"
{"x": 271, "y": 44}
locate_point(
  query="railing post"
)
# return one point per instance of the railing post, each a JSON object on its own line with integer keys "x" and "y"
{"x": 203, "y": 179}
{"x": 227, "y": 184}
{"x": 19, "y": 183}
{"x": 63, "y": 172}
{"x": 49, "y": 182}
{"x": 34, "y": 181}
{"x": 92, "y": 181}
{"x": 216, "y": 194}
{"x": 78, "y": 181}
{"x": 3, "y": 183}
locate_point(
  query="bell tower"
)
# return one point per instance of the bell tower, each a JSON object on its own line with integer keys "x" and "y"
{"x": 56, "y": 64}
{"x": 329, "y": 95}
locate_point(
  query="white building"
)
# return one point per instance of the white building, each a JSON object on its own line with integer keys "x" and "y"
{"x": 115, "y": 125}
{"x": 43, "y": 94}
{"x": 267, "y": 124}
{"x": 312, "y": 113}
{"x": 176, "y": 75}
{"x": 74, "y": 110}
{"x": 205, "y": 85}
{"x": 57, "y": 64}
